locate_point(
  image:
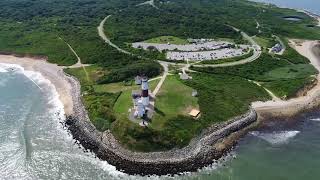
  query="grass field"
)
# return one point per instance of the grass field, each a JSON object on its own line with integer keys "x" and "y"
{"x": 94, "y": 73}
{"x": 167, "y": 39}
{"x": 265, "y": 42}
{"x": 222, "y": 97}
{"x": 290, "y": 72}
{"x": 279, "y": 75}
{"x": 174, "y": 98}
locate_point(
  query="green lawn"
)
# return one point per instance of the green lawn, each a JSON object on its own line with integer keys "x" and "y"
{"x": 94, "y": 73}
{"x": 222, "y": 97}
{"x": 278, "y": 74}
{"x": 264, "y": 42}
{"x": 167, "y": 39}
{"x": 290, "y": 72}
{"x": 174, "y": 98}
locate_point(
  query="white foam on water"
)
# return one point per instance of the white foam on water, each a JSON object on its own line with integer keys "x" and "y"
{"x": 315, "y": 119}
{"x": 277, "y": 137}
{"x": 57, "y": 111}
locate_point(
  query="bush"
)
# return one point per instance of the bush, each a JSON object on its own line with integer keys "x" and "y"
{"x": 149, "y": 69}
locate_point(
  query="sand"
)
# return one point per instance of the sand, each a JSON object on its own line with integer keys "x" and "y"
{"x": 295, "y": 105}
{"x": 49, "y": 71}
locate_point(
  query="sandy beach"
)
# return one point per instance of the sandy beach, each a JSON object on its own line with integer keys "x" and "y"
{"x": 55, "y": 74}
{"x": 49, "y": 71}
{"x": 295, "y": 105}
{"x": 201, "y": 151}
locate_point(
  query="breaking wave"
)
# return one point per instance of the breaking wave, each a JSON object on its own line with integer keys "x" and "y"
{"x": 46, "y": 139}
{"x": 315, "y": 119}
{"x": 276, "y": 138}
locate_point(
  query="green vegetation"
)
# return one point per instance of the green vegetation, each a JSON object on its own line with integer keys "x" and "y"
{"x": 288, "y": 88}
{"x": 129, "y": 71}
{"x": 170, "y": 126}
{"x": 206, "y": 19}
{"x": 293, "y": 56}
{"x": 272, "y": 71}
{"x": 167, "y": 39}
{"x": 233, "y": 59}
{"x": 44, "y": 27}
{"x": 173, "y": 98}
{"x": 94, "y": 73}
{"x": 124, "y": 103}
{"x": 220, "y": 98}
{"x": 99, "y": 106}
{"x": 265, "y": 42}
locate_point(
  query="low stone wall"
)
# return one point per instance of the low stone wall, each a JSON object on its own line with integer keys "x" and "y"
{"x": 199, "y": 153}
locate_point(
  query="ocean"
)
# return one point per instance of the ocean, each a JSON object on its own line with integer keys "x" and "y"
{"x": 35, "y": 145}
{"x": 310, "y": 5}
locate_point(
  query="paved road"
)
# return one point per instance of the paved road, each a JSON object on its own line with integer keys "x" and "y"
{"x": 256, "y": 54}
{"x": 106, "y": 39}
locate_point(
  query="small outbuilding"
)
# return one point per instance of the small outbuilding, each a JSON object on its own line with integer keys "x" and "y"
{"x": 194, "y": 113}
{"x": 138, "y": 80}
{"x": 194, "y": 93}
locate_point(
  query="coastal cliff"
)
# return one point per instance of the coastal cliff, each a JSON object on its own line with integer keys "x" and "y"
{"x": 199, "y": 153}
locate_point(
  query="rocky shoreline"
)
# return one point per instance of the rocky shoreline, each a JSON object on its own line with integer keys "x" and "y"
{"x": 199, "y": 153}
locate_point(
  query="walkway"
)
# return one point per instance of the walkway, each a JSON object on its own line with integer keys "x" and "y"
{"x": 274, "y": 97}
{"x": 151, "y": 3}
{"x": 163, "y": 78}
{"x": 78, "y": 64}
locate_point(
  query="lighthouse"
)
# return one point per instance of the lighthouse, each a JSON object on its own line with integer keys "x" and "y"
{"x": 145, "y": 92}
{"x": 140, "y": 110}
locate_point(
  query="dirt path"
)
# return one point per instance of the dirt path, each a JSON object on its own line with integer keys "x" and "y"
{"x": 151, "y": 3}
{"x": 295, "y": 105}
{"x": 163, "y": 78}
{"x": 106, "y": 39}
{"x": 274, "y": 97}
{"x": 78, "y": 64}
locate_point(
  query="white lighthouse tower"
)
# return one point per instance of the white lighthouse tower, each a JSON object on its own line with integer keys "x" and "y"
{"x": 140, "y": 111}
{"x": 145, "y": 92}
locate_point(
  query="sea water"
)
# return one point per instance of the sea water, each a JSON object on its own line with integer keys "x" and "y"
{"x": 34, "y": 144}
{"x": 310, "y": 5}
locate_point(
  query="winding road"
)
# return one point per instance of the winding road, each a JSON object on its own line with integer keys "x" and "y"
{"x": 186, "y": 68}
{"x": 106, "y": 39}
